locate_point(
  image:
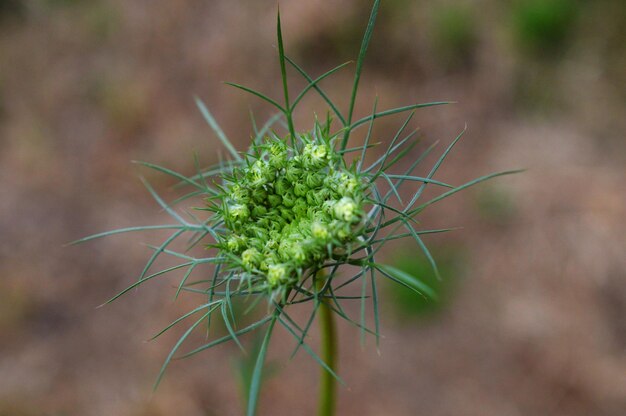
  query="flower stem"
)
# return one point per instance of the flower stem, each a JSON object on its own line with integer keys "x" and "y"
{"x": 328, "y": 387}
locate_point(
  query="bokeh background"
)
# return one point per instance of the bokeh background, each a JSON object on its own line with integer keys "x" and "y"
{"x": 533, "y": 316}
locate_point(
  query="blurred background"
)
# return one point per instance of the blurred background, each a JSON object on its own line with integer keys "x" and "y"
{"x": 533, "y": 313}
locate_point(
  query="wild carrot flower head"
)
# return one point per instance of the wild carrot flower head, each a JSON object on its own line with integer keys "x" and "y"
{"x": 288, "y": 209}
{"x": 288, "y": 213}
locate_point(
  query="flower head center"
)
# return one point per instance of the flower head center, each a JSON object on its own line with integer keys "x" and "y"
{"x": 290, "y": 210}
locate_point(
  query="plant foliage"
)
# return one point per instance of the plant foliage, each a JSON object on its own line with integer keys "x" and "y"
{"x": 285, "y": 216}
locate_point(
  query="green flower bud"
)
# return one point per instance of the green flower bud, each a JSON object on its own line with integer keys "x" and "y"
{"x": 269, "y": 259}
{"x": 259, "y": 174}
{"x": 300, "y": 208}
{"x": 298, "y": 254}
{"x": 258, "y": 211}
{"x": 328, "y": 207}
{"x": 314, "y": 155}
{"x": 346, "y": 210}
{"x": 314, "y": 180}
{"x": 259, "y": 195}
{"x": 238, "y": 212}
{"x": 292, "y": 174}
{"x": 255, "y": 242}
{"x": 304, "y": 227}
{"x": 300, "y": 189}
{"x": 348, "y": 185}
{"x": 274, "y": 200}
{"x": 311, "y": 198}
{"x": 251, "y": 258}
{"x": 235, "y": 243}
{"x": 277, "y": 222}
{"x": 277, "y": 274}
{"x": 292, "y": 250}
{"x": 341, "y": 230}
{"x": 316, "y": 197}
{"x": 278, "y": 155}
{"x": 271, "y": 244}
{"x": 263, "y": 222}
{"x": 289, "y": 199}
{"x": 281, "y": 186}
{"x": 287, "y": 214}
{"x": 239, "y": 195}
{"x": 320, "y": 231}
{"x": 258, "y": 232}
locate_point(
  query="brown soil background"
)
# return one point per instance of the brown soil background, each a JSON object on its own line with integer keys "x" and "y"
{"x": 537, "y": 325}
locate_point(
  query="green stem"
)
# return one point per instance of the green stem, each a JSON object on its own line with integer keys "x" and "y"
{"x": 328, "y": 383}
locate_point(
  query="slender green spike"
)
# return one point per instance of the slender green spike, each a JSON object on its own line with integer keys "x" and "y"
{"x": 414, "y": 211}
{"x": 419, "y": 179}
{"x": 258, "y": 94}
{"x": 200, "y": 234}
{"x": 184, "y": 280}
{"x": 367, "y": 138}
{"x": 331, "y": 294}
{"x": 401, "y": 214}
{"x": 395, "y": 111}
{"x": 307, "y": 327}
{"x": 312, "y": 297}
{"x": 347, "y": 282}
{"x": 172, "y": 253}
{"x": 313, "y": 84}
{"x": 374, "y": 300}
{"x": 411, "y": 168}
{"x": 392, "y": 186}
{"x": 424, "y": 249}
{"x": 283, "y": 75}
{"x": 462, "y": 187}
{"x": 176, "y": 347}
{"x": 176, "y": 175}
{"x": 254, "y": 303}
{"x": 351, "y": 321}
{"x": 128, "y": 230}
{"x": 149, "y": 277}
{"x": 229, "y": 327}
{"x": 158, "y": 251}
{"x": 186, "y": 197}
{"x": 309, "y": 351}
{"x": 266, "y": 127}
{"x": 162, "y": 203}
{"x": 196, "y": 164}
{"x": 193, "y": 290}
{"x": 222, "y": 168}
{"x": 359, "y": 67}
{"x": 363, "y": 298}
{"x": 406, "y": 280}
{"x": 290, "y": 320}
{"x": 196, "y": 238}
{"x": 357, "y": 148}
{"x": 211, "y": 290}
{"x": 229, "y": 301}
{"x": 321, "y": 92}
{"x": 392, "y": 148}
{"x": 255, "y": 130}
{"x": 397, "y": 157}
{"x": 435, "y": 167}
{"x": 182, "y": 318}
{"x": 217, "y": 129}
{"x": 421, "y": 232}
{"x": 227, "y": 338}
{"x": 255, "y": 383}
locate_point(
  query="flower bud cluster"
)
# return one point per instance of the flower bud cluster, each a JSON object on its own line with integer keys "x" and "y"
{"x": 291, "y": 209}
